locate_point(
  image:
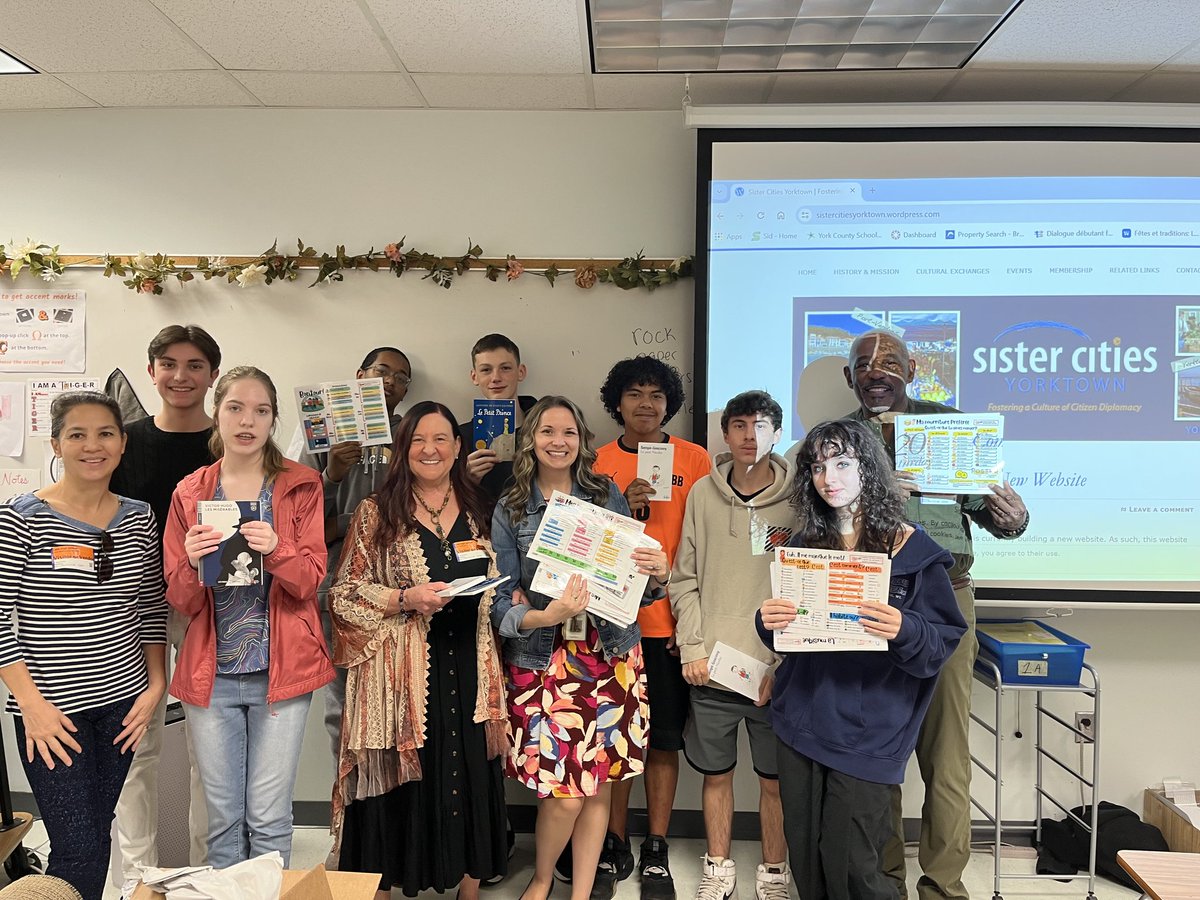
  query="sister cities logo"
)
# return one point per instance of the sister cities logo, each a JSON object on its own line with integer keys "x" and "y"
{"x": 1073, "y": 366}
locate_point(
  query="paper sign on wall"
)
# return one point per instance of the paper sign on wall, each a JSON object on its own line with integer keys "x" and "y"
{"x": 42, "y": 393}
{"x": 12, "y": 418}
{"x": 18, "y": 481}
{"x": 42, "y": 331}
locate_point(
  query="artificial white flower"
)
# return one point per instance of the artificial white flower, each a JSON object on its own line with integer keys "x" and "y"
{"x": 252, "y": 275}
{"x": 30, "y": 246}
{"x": 142, "y": 261}
{"x": 218, "y": 262}
{"x": 49, "y": 275}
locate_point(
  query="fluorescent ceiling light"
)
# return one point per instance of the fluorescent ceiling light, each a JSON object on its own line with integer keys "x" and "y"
{"x": 788, "y": 35}
{"x": 10, "y": 65}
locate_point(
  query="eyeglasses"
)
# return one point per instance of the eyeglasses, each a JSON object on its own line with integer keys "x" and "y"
{"x": 104, "y": 565}
{"x": 386, "y": 374}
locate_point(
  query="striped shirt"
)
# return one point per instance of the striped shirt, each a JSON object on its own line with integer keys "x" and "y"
{"x": 81, "y": 640}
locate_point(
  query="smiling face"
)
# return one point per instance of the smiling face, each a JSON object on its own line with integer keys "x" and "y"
{"x": 433, "y": 450}
{"x": 245, "y": 417}
{"x": 838, "y": 479}
{"x": 396, "y": 373}
{"x": 556, "y": 440}
{"x": 751, "y": 437}
{"x": 879, "y": 370}
{"x": 182, "y": 376}
{"x": 497, "y": 374}
{"x": 643, "y": 408}
{"x": 90, "y": 443}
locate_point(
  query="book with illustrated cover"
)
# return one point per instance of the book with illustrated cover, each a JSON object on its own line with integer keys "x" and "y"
{"x": 232, "y": 563}
{"x": 495, "y": 427}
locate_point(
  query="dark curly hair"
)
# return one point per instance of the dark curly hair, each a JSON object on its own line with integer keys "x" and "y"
{"x": 638, "y": 371}
{"x": 880, "y": 509}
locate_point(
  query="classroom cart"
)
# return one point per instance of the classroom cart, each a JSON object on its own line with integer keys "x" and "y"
{"x": 988, "y": 673}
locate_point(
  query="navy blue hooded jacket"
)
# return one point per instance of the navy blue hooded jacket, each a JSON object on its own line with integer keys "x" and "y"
{"x": 859, "y": 711}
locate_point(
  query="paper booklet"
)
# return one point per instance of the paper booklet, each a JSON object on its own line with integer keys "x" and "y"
{"x": 471, "y": 584}
{"x": 655, "y": 464}
{"x": 495, "y": 427}
{"x": 576, "y": 537}
{"x": 738, "y": 671}
{"x": 336, "y": 411}
{"x": 827, "y": 587}
{"x": 232, "y": 563}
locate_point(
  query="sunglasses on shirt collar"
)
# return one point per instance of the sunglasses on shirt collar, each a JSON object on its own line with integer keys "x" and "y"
{"x": 104, "y": 563}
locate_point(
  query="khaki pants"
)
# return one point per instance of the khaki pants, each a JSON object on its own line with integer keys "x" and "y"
{"x": 944, "y": 759}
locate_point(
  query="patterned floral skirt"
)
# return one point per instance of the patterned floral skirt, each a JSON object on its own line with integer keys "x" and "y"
{"x": 580, "y": 723}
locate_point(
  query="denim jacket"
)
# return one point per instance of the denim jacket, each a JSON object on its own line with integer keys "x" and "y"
{"x": 531, "y": 649}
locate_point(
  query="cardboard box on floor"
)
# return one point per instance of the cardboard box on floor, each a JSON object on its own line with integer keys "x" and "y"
{"x": 1182, "y": 836}
{"x": 314, "y": 884}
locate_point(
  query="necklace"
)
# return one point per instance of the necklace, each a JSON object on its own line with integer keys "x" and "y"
{"x": 434, "y": 515}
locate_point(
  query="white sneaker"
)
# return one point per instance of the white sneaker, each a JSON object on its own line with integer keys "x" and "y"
{"x": 771, "y": 881}
{"x": 718, "y": 879}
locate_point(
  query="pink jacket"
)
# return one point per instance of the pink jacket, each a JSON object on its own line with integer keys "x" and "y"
{"x": 299, "y": 658}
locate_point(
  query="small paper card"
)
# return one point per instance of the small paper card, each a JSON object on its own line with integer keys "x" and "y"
{"x": 736, "y": 670}
{"x": 655, "y": 464}
{"x": 471, "y": 584}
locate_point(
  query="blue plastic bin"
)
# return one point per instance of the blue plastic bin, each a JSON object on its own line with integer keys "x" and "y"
{"x": 1025, "y": 663}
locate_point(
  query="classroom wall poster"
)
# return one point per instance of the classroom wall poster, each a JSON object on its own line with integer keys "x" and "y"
{"x": 42, "y": 331}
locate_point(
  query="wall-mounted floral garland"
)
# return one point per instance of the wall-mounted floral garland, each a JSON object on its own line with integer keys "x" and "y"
{"x": 150, "y": 274}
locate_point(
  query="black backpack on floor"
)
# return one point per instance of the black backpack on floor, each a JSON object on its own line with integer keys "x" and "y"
{"x": 1064, "y": 847}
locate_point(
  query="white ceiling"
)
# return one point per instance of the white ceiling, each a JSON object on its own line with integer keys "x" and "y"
{"x": 534, "y": 54}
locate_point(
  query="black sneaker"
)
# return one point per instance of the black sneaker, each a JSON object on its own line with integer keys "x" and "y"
{"x": 564, "y": 868}
{"x": 616, "y": 864}
{"x": 655, "y": 871}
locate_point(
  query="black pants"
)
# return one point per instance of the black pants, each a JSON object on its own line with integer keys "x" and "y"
{"x": 77, "y": 802}
{"x": 836, "y": 826}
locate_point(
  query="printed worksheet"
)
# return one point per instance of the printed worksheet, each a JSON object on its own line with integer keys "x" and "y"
{"x": 827, "y": 587}
{"x": 578, "y": 537}
{"x": 655, "y": 464}
{"x": 952, "y": 454}
{"x": 336, "y": 411}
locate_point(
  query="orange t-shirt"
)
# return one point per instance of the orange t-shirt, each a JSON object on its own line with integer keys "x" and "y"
{"x": 665, "y": 519}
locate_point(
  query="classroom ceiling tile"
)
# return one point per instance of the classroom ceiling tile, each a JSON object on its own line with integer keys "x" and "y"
{"x": 1005, "y": 85}
{"x": 750, "y": 35}
{"x": 859, "y": 87}
{"x": 1056, "y": 34}
{"x": 160, "y": 88}
{"x": 1162, "y": 87}
{"x": 720, "y": 90}
{"x": 96, "y": 36}
{"x": 484, "y": 36}
{"x": 332, "y": 90}
{"x": 504, "y": 91}
{"x": 318, "y": 35}
{"x": 663, "y": 91}
{"x": 39, "y": 92}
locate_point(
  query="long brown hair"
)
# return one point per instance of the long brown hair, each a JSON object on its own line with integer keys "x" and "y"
{"x": 397, "y": 508}
{"x": 880, "y": 509}
{"x": 595, "y": 486}
{"x": 272, "y": 458}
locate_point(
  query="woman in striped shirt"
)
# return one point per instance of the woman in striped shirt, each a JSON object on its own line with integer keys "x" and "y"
{"x": 85, "y": 661}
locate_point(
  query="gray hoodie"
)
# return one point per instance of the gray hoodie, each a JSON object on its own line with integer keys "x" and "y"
{"x": 722, "y": 569}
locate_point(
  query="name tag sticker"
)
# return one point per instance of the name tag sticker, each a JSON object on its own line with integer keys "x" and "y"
{"x": 72, "y": 556}
{"x": 468, "y": 550}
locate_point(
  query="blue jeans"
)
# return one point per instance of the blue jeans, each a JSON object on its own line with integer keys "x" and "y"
{"x": 247, "y": 752}
{"x": 77, "y": 801}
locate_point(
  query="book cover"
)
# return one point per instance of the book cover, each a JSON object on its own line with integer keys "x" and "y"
{"x": 656, "y": 465}
{"x": 232, "y": 563}
{"x": 495, "y": 427}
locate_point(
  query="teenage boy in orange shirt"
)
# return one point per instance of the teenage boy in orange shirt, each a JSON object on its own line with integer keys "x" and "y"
{"x": 643, "y": 394}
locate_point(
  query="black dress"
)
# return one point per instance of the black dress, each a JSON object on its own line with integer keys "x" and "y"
{"x": 430, "y": 833}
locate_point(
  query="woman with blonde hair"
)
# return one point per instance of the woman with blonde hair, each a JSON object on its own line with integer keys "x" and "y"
{"x": 253, "y": 654}
{"x": 576, "y": 704}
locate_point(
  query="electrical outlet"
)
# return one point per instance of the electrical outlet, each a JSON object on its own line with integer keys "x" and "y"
{"x": 1085, "y": 722}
